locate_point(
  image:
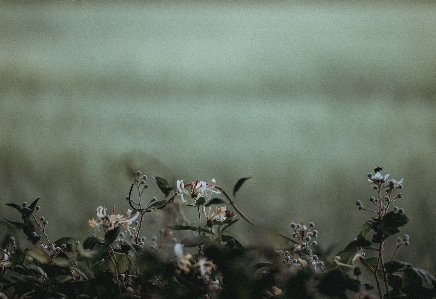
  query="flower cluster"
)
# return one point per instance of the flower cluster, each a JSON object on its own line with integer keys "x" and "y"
{"x": 301, "y": 254}
{"x": 109, "y": 222}
{"x": 198, "y": 189}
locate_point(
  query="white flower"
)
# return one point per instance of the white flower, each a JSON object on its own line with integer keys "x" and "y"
{"x": 205, "y": 266}
{"x": 197, "y": 189}
{"x": 183, "y": 260}
{"x": 378, "y": 177}
{"x": 218, "y": 214}
{"x": 112, "y": 221}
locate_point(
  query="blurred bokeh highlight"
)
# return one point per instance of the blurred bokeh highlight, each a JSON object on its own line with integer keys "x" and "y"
{"x": 304, "y": 98}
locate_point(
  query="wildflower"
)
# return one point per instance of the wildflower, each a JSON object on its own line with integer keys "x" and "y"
{"x": 111, "y": 221}
{"x": 377, "y": 178}
{"x": 205, "y": 267}
{"x": 198, "y": 189}
{"x": 183, "y": 260}
{"x": 219, "y": 214}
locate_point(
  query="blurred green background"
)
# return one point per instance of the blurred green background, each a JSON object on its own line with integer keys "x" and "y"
{"x": 304, "y": 97}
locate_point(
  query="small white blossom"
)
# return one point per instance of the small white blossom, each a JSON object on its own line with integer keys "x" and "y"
{"x": 112, "y": 221}
{"x": 197, "y": 189}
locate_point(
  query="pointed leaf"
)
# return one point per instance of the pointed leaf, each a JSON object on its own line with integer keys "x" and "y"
{"x": 196, "y": 241}
{"x": 366, "y": 229}
{"x": 394, "y": 266}
{"x": 411, "y": 278}
{"x": 362, "y": 241}
{"x": 14, "y": 205}
{"x": 239, "y": 184}
{"x": 90, "y": 242}
{"x": 371, "y": 265}
{"x": 111, "y": 235}
{"x": 349, "y": 252}
{"x": 391, "y": 221}
{"x": 33, "y": 204}
{"x": 17, "y": 224}
{"x": 158, "y": 204}
{"x": 39, "y": 254}
{"x": 80, "y": 272}
{"x": 215, "y": 201}
{"x": 395, "y": 281}
{"x": 199, "y": 202}
{"x": 163, "y": 185}
{"x": 426, "y": 276}
{"x": 230, "y": 239}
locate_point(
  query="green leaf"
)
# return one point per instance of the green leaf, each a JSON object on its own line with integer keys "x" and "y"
{"x": 163, "y": 185}
{"x": 362, "y": 241}
{"x": 238, "y": 185}
{"x": 427, "y": 276}
{"x": 349, "y": 252}
{"x": 199, "y": 202}
{"x": 411, "y": 279}
{"x": 196, "y": 241}
{"x": 187, "y": 227}
{"x": 231, "y": 240}
{"x": 215, "y": 201}
{"x": 111, "y": 235}
{"x": 90, "y": 242}
{"x": 391, "y": 222}
{"x": 395, "y": 282}
{"x": 394, "y": 266}
{"x": 371, "y": 265}
{"x": 18, "y": 257}
{"x": 366, "y": 229}
{"x": 14, "y": 205}
{"x": 80, "y": 272}
{"x": 17, "y": 224}
{"x": 39, "y": 254}
{"x": 33, "y": 205}
{"x": 158, "y": 204}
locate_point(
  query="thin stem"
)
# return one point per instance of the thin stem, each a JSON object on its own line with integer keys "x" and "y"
{"x": 234, "y": 206}
{"x": 117, "y": 273}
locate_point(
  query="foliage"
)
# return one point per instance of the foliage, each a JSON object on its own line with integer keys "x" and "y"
{"x": 207, "y": 262}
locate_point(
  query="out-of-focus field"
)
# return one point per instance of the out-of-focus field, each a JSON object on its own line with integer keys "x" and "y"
{"x": 306, "y": 99}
